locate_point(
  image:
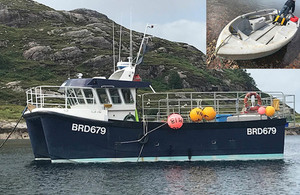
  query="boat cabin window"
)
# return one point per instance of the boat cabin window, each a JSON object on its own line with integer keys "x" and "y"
{"x": 79, "y": 95}
{"x": 102, "y": 96}
{"x": 75, "y": 96}
{"x": 127, "y": 96}
{"x": 115, "y": 96}
{"x": 89, "y": 96}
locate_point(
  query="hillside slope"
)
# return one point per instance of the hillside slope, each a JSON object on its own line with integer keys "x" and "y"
{"x": 39, "y": 45}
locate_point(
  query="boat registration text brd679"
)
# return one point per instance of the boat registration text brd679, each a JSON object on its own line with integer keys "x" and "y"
{"x": 88, "y": 129}
{"x": 262, "y": 131}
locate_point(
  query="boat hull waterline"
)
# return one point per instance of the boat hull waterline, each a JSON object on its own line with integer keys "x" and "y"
{"x": 67, "y": 139}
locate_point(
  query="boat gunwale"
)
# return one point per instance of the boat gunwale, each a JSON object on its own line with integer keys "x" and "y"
{"x": 134, "y": 124}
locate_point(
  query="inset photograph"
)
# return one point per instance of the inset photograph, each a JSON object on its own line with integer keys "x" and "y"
{"x": 253, "y": 34}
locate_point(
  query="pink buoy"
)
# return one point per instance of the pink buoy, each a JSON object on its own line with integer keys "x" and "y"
{"x": 175, "y": 121}
{"x": 261, "y": 110}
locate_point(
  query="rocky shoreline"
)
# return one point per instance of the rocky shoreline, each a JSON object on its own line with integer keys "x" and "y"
{"x": 7, "y": 126}
{"x": 21, "y": 131}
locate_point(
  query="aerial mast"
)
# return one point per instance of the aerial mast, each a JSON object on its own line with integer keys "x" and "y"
{"x": 120, "y": 44}
{"x": 143, "y": 40}
{"x": 130, "y": 55}
{"x": 114, "y": 53}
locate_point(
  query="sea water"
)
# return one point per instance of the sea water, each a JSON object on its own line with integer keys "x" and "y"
{"x": 19, "y": 174}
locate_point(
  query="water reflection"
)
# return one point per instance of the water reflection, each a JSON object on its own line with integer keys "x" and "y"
{"x": 19, "y": 174}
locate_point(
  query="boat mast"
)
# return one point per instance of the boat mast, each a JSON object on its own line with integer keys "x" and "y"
{"x": 120, "y": 46}
{"x": 130, "y": 55}
{"x": 143, "y": 40}
{"x": 114, "y": 53}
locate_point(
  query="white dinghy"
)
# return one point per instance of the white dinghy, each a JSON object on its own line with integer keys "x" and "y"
{"x": 254, "y": 35}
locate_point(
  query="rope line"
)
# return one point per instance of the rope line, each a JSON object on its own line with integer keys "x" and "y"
{"x": 14, "y": 128}
{"x": 141, "y": 150}
{"x": 145, "y": 135}
{"x": 222, "y": 44}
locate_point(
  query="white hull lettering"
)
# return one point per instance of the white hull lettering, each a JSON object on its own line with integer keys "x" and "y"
{"x": 88, "y": 129}
{"x": 262, "y": 131}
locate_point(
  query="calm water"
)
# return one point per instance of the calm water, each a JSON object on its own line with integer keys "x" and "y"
{"x": 220, "y": 12}
{"x": 20, "y": 175}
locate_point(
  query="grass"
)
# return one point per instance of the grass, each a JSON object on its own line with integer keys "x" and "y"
{"x": 14, "y": 67}
{"x": 297, "y": 117}
{"x": 10, "y": 112}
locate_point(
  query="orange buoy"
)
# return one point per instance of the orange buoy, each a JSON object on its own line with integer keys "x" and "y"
{"x": 175, "y": 121}
{"x": 196, "y": 115}
{"x": 270, "y": 110}
{"x": 209, "y": 113}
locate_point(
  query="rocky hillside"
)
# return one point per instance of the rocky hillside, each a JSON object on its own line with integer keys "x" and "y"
{"x": 39, "y": 45}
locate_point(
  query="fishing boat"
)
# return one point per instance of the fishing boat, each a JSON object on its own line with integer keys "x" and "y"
{"x": 255, "y": 35}
{"x": 106, "y": 120}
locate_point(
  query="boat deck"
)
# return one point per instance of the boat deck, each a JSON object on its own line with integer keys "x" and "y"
{"x": 158, "y": 106}
{"x": 265, "y": 34}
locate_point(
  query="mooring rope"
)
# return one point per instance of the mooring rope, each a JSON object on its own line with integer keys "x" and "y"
{"x": 145, "y": 135}
{"x": 141, "y": 150}
{"x": 222, "y": 44}
{"x": 14, "y": 128}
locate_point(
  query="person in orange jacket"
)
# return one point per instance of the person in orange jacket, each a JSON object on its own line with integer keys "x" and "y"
{"x": 289, "y": 5}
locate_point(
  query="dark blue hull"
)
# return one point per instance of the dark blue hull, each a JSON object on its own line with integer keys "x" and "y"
{"x": 70, "y": 139}
{"x": 37, "y": 137}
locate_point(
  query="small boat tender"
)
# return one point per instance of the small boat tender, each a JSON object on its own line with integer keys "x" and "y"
{"x": 255, "y": 35}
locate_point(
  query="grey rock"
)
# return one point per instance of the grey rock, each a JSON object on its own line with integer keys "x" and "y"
{"x": 99, "y": 61}
{"x": 6, "y": 16}
{"x": 99, "y": 42}
{"x": 2, "y": 6}
{"x": 102, "y": 26}
{"x": 15, "y": 86}
{"x": 69, "y": 53}
{"x": 186, "y": 46}
{"x": 90, "y": 13}
{"x": 185, "y": 84}
{"x": 152, "y": 71}
{"x": 162, "y": 50}
{"x": 78, "y": 34}
{"x": 4, "y": 43}
{"x": 182, "y": 75}
{"x": 74, "y": 17}
{"x": 37, "y": 53}
{"x": 55, "y": 31}
{"x": 32, "y": 44}
{"x": 98, "y": 30}
{"x": 16, "y": 18}
{"x": 53, "y": 15}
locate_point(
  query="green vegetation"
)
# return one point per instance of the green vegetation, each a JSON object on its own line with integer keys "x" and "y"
{"x": 10, "y": 112}
{"x": 175, "y": 81}
{"x": 239, "y": 77}
{"x": 5, "y": 64}
{"x": 17, "y": 5}
{"x": 32, "y": 24}
{"x": 297, "y": 117}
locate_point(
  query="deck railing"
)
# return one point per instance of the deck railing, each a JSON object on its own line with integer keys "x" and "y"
{"x": 158, "y": 106}
{"x": 62, "y": 97}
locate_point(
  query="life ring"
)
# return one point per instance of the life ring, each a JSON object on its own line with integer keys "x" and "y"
{"x": 129, "y": 117}
{"x": 252, "y": 108}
